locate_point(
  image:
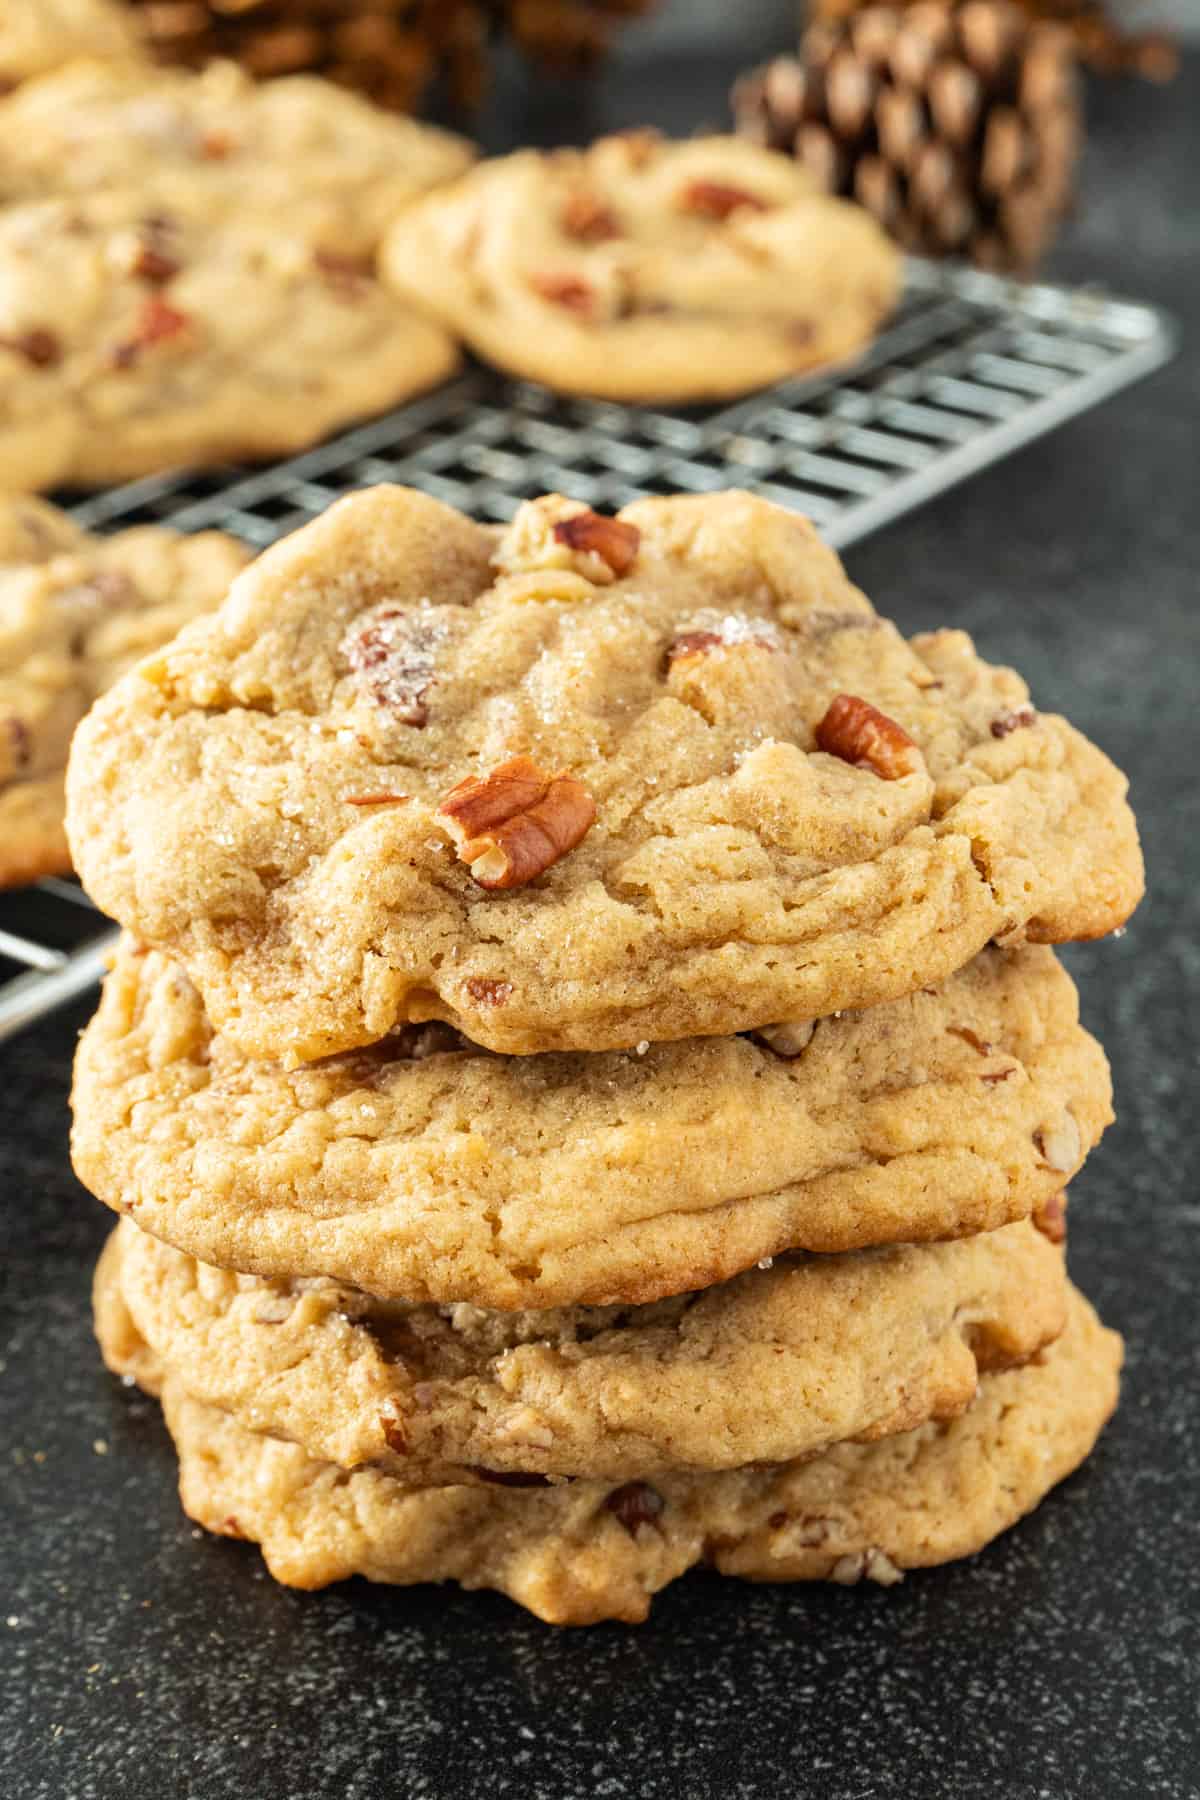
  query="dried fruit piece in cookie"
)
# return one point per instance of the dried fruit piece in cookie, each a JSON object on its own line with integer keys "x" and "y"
{"x": 586, "y": 1552}
{"x": 735, "y": 873}
{"x": 426, "y": 1168}
{"x": 646, "y": 270}
{"x": 235, "y": 343}
{"x": 261, "y": 145}
{"x": 75, "y": 612}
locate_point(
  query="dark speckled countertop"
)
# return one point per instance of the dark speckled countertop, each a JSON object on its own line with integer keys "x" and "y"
{"x": 142, "y": 1661}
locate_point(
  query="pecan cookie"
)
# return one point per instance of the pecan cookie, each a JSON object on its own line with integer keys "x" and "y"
{"x": 645, "y": 270}
{"x": 782, "y": 1362}
{"x": 75, "y": 613}
{"x": 610, "y": 781}
{"x": 429, "y": 1170}
{"x": 259, "y": 144}
{"x": 37, "y": 35}
{"x": 136, "y": 337}
{"x": 592, "y": 1551}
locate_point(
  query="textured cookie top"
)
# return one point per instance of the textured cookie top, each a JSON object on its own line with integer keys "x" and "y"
{"x": 781, "y": 1362}
{"x": 97, "y": 125}
{"x": 610, "y": 781}
{"x": 642, "y": 269}
{"x": 75, "y": 612}
{"x": 36, "y": 35}
{"x": 138, "y": 334}
{"x": 591, "y": 1551}
{"x": 427, "y": 1169}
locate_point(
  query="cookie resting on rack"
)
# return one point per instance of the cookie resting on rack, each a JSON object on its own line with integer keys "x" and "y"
{"x": 645, "y": 270}
{"x": 427, "y": 1169}
{"x": 605, "y": 782}
{"x": 593, "y": 1550}
{"x": 782, "y": 1362}
{"x": 38, "y": 35}
{"x": 76, "y": 612}
{"x": 264, "y": 144}
{"x": 138, "y": 336}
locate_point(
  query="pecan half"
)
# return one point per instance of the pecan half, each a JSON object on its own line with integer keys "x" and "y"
{"x": 586, "y": 217}
{"x": 859, "y": 733}
{"x": 612, "y": 540}
{"x": 1050, "y": 1218}
{"x": 717, "y": 199}
{"x": 516, "y": 822}
{"x": 636, "y": 1504}
{"x": 569, "y": 291}
{"x": 1006, "y": 722}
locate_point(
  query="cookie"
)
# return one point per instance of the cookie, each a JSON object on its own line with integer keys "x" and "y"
{"x": 426, "y": 1169}
{"x": 645, "y": 270}
{"x": 75, "y": 613}
{"x": 259, "y": 144}
{"x": 782, "y": 1362}
{"x": 135, "y": 339}
{"x": 608, "y": 782}
{"x": 579, "y": 1554}
{"x": 37, "y": 35}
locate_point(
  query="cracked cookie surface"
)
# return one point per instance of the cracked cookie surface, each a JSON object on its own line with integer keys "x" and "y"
{"x": 427, "y": 1169}
{"x": 75, "y": 613}
{"x": 567, "y": 792}
{"x": 588, "y": 1552}
{"x": 782, "y": 1362}
{"x": 262, "y": 144}
{"x": 646, "y": 270}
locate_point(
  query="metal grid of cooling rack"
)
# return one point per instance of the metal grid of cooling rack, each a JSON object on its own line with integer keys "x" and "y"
{"x": 971, "y": 367}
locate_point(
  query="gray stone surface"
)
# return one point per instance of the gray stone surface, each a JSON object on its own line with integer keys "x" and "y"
{"x": 141, "y": 1661}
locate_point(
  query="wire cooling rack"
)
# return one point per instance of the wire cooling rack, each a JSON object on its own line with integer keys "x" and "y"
{"x": 971, "y": 367}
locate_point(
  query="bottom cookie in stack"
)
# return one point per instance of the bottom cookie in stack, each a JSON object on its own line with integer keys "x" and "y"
{"x": 940, "y": 1467}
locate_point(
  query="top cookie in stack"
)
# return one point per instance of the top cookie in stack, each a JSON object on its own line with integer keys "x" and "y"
{"x": 609, "y": 781}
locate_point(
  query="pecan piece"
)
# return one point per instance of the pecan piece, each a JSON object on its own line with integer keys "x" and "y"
{"x": 789, "y": 1039}
{"x": 859, "y": 733}
{"x": 586, "y": 217}
{"x": 725, "y": 634}
{"x": 1006, "y": 722}
{"x": 612, "y": 540}
{"x": 569, "y": 291}
{"x": 488, "y": 993}
{"x": 515, "y": 822}
{"x": 394, "y": 654}
{"x": 157, "y": 323}
{"x": 636, "y": 1504}
{"x": 717, "y": 199}
{"x": 1050, "y": 1218}
{"x": 38, "y": 346}
{"x": 1060, "y": 1146}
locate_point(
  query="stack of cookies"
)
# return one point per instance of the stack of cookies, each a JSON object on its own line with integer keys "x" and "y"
{"x": 585, "y": 1080}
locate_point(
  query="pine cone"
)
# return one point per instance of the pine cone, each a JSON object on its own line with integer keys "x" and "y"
{"x": 391, "y": 50}
{"x": 957, "y": 128}
{"x": 1099, "y": 41}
